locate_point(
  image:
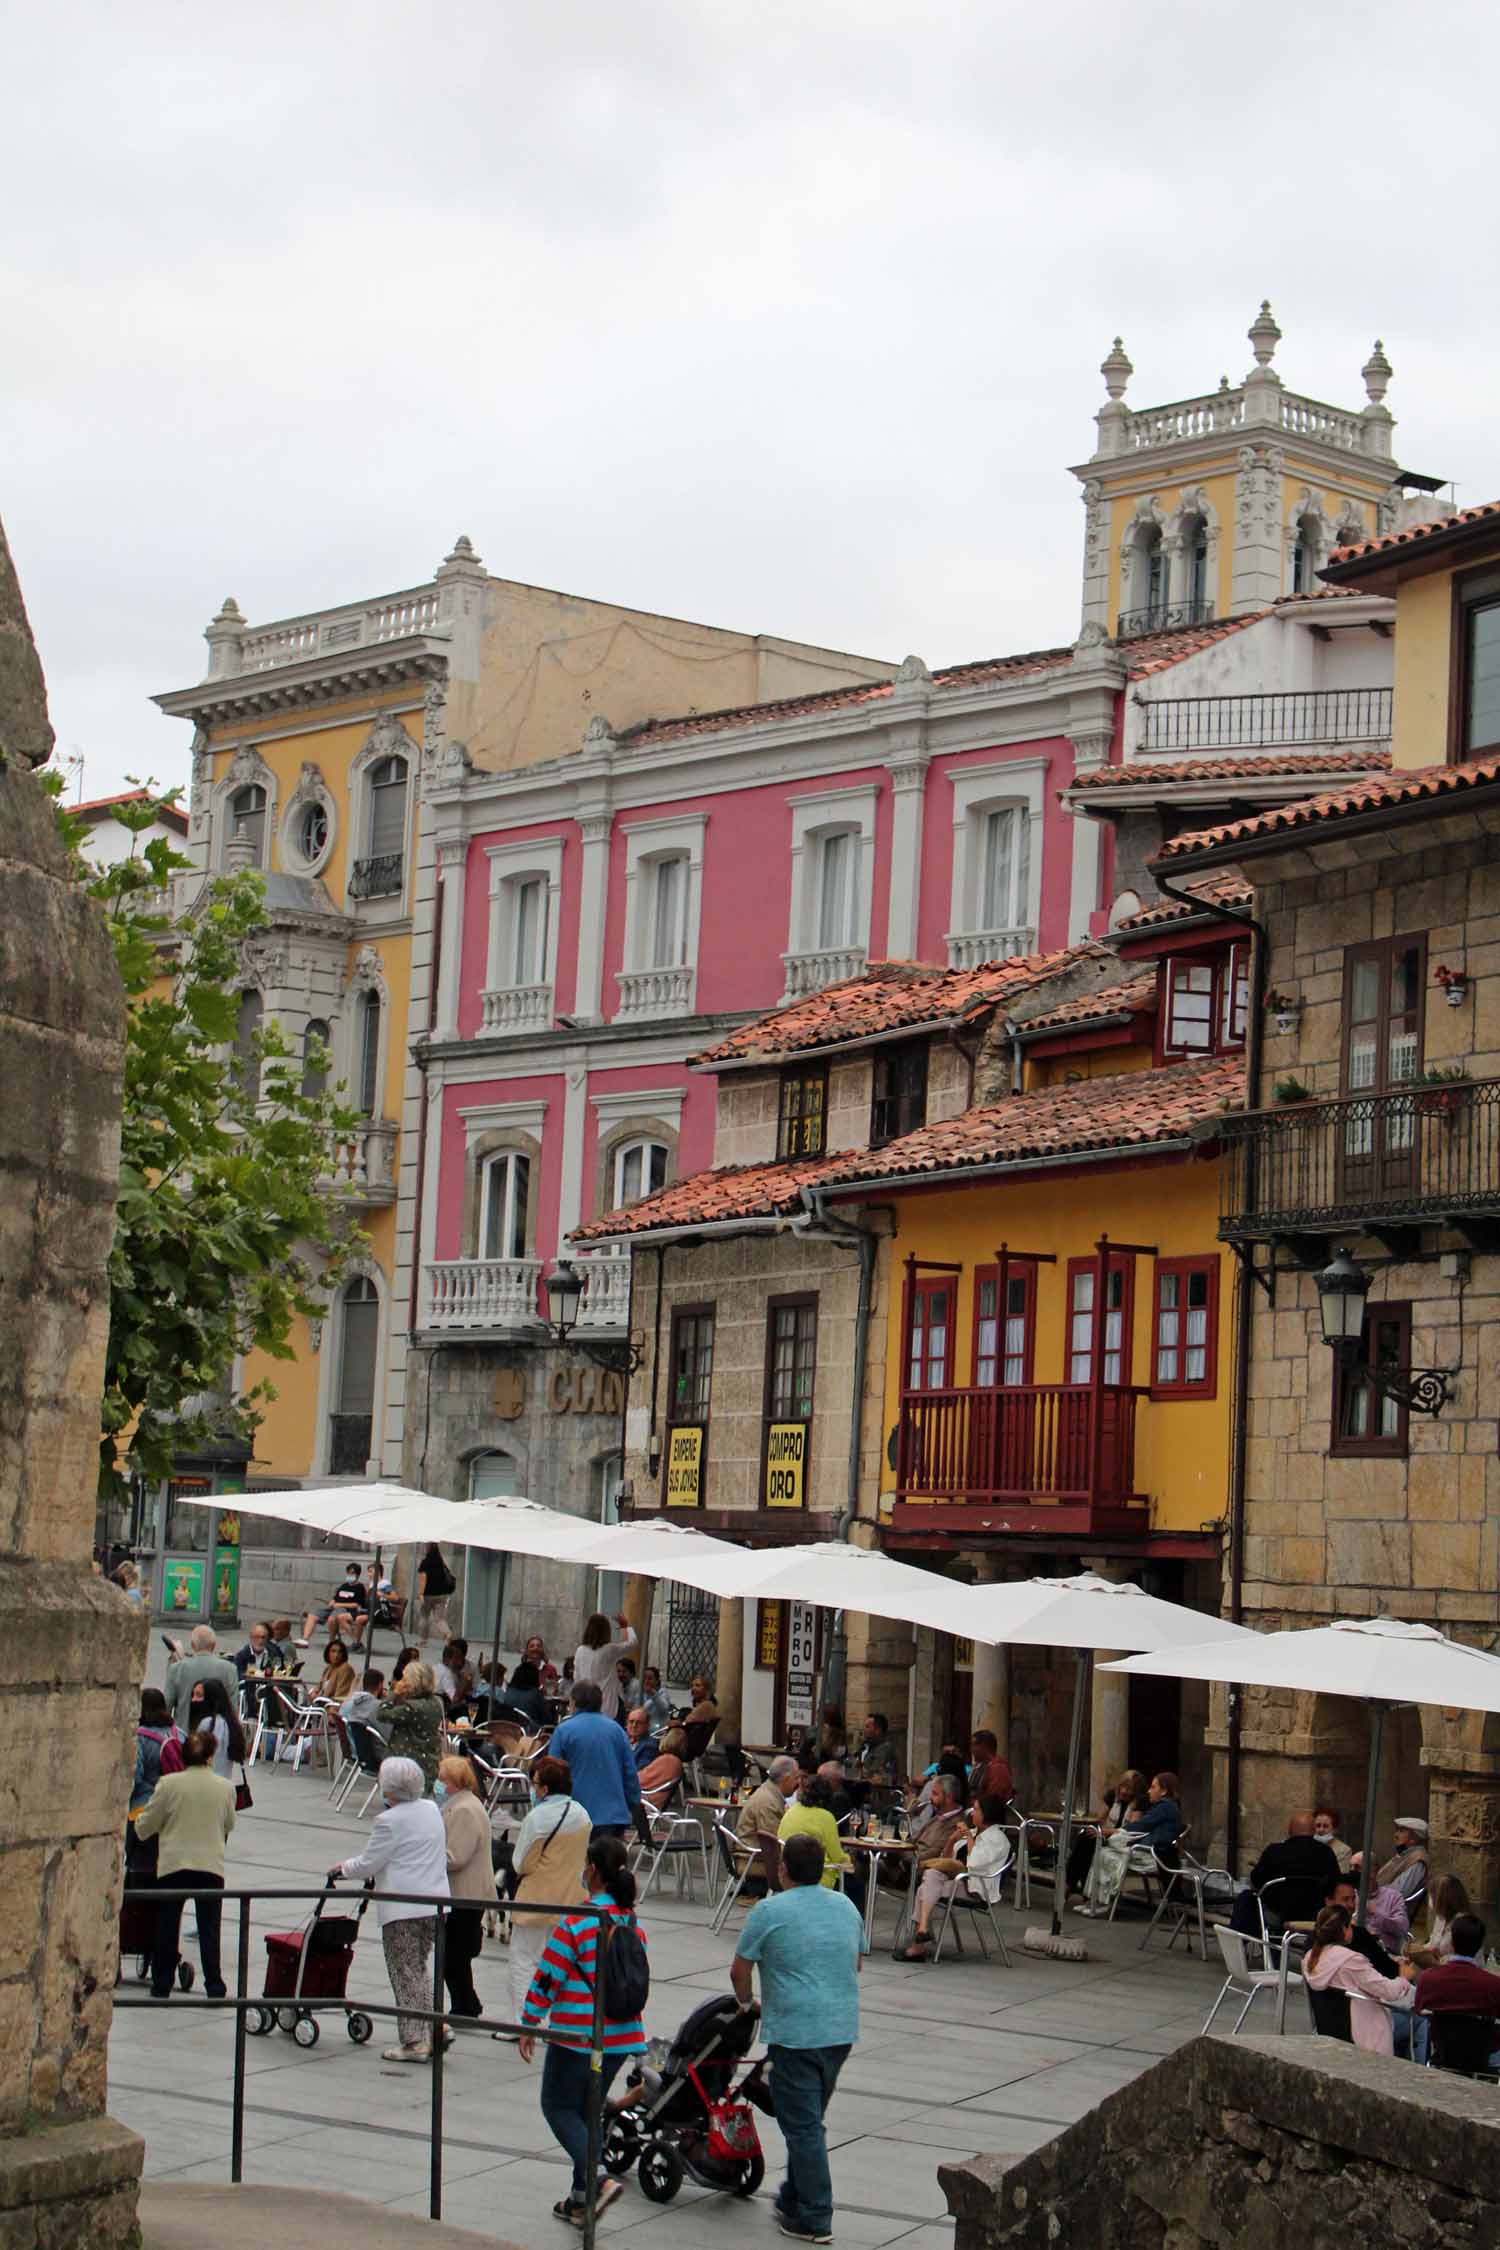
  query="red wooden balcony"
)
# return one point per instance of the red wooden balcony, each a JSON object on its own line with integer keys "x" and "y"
{"x": 1057, "y": 1458}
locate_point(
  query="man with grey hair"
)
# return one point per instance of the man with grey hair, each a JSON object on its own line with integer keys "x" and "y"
{"x": 184, "y": 1672}
{"x": 937, "y": 1859}
{"x": 759, "y": 1824}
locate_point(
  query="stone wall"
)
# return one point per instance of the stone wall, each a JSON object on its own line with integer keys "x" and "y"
{"x": 72, "y": 1649}
{"x": 1252, "y": 2143}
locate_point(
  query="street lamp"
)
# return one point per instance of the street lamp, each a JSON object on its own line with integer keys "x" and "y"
{"x": 564, "y": 1297}
{"x": 1343, "y": 1288}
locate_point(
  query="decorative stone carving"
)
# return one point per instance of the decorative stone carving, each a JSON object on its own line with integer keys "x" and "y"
{"x": 387, "y": 738}
{"x": 1116, "y": 369}
{"x": 366, "y": 971}
{"x": 598, "y": 730}
{"x": 1264, "y": 335}
{"x": 1376, "y": 375}
{"x": 1093, "y": 635}
{"x": 913, "y": 668}
{"x": 246, "y": 766}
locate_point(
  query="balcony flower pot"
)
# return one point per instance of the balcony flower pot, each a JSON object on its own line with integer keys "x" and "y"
{"x": 1289, "y": 1093}
{"x": 1453, "y": 983}
{"x": 1285, "y": 1012}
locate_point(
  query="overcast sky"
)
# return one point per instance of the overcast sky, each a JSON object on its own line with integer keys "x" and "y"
{"x": 782, "y": 316}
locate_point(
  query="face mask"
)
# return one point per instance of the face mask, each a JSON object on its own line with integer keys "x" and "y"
{"x": 440, "y": 1790}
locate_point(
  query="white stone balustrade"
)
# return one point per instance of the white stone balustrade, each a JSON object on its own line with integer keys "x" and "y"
{"x": 364, "y": 1162}
{"x": 810, "y": 972}
{"x": 483, "y": 1293}
{"x": 517, "y": 1007}
{"x": 970, "y": 949}
{"x": 290, "y": 640}
{"x": 1141, "y": 428}
{"x": 654, "y": 992}
{"x": 606, "y": 1293}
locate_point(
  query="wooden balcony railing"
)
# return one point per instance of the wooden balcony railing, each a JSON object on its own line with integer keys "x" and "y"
{"x": 1049, "y": 1457}
{"x": 1428, "y": 1153}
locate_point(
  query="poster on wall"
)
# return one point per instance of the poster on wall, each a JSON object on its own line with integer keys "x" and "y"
{"x": 685, "y": 1465}
{"x": 786, "y": 1465}
{"x": 767, "y": 1636}
{"x": 182, "y": 1585}
{"x": 226, "y": 1577}
{"x": 801, "y": 1664}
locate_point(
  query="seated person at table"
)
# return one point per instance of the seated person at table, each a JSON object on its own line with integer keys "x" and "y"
{"x": 259, "y": 1653}
{"x": 759, "y": 1823}
{"x": 655, "y": 1698}
{"x": 337, "y": 1679}
{"x": 840, "y": 1804}
{"x": 1361, "y": 1939}
{"x": 1406, "y": 1869}
{"x": 1156, "y": 1825}
{"x": 701, "y": 1719}
{"x": 937, "y": 1858}
{"x": 833, "y": 1735}
{"x": 455, "y": 1679}
{"x": 1302, "y": 1870}
{"x": 522, "y": 1698}
{"x": 1332, "y": 1965}
{"x": 491, "y": 1694}
{"x": 877, "y": 1753}
{"x": 349, "y": 1602}
{"x": 949, "y": 1766}
{"x": 1446, "y": 1900}
{"x": 990, "y": 1774}
{"x": 363, "y": 1707}
{"x": 631, "y": 1692}
{"x": 535, "y": 1654}
{"x": 1129, "y": 1791}
{"x": 283, "y": 1646}
{"x": 659, "y": 1777}
{"x": 1326, "y": 1829}
{"x": 1461, "y": 1985}
{"x": 643, "y": 1743}
{"x": 811, "y": 1814}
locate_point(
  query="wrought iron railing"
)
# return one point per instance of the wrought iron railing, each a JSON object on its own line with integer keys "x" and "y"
{"x": 1428, "y": 1152}
{"x": 377, "y": 878}
{"x": 1247, "y": 722}
{"x": 1022, "y": 1444}
{"x": 1160, "y": 617}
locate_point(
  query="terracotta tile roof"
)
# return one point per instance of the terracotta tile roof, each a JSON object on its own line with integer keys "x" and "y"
{"x": 172, "y": 816}
{"x": 890, "y": 996}
{"x": 734, "y": 1191}
{"x": 1132, "y": 1110}
{"x": 1157, "y": 652}
{"x": 1391, "y": 542}
{"x": 1162, "y": 772}
{"x": 1222, "y": 890}
{"x": 1125, "y": 999}
{"x": 1406, "y": 787}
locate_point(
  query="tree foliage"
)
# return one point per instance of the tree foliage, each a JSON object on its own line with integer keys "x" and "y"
{"x": 228, "y": 1229}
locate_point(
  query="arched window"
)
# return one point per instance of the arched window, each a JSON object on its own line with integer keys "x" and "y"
{"x": 314, "y": 1059}
{"x": 353, "y": 1417}
{"x": 246, "y": 1056}
{"x": 502, "y": 1214}
{"x": 388, "y": 807}
{"x": 1305, "y": 556}
{"x": 1195, "y": 569}
{"x": 368, "y": 1059}
{"x": 640, "y": 1169}
{"x": 247, "y": 820}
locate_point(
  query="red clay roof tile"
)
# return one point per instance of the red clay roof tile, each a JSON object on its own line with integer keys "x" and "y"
{"x": 1219, "y": 890}
{"x": 1113, "y": 1000}
{"x": 1279, "y": 764}
{"x": 1390, "y": 542}
{"x": 733, "y": 1191}
{"x": 1402, "y": 787}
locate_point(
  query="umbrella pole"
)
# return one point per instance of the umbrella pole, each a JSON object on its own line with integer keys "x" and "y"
{"x": 495, "y": 1649}
{"x": 1081, "y": 1686}
{"x": 1372, "y": 1784}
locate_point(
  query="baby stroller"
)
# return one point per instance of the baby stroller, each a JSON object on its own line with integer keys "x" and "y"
{"x": 683, "y": 2117}
{"x": 310, "y": 1963}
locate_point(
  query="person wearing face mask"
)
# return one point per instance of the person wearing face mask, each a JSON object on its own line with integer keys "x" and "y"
{"x": 407, "y": 1852}
{"x": 471, "y": 1878}
{"x": 1326, "y": 1829}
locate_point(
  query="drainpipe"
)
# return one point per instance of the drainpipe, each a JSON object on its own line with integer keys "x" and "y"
{"x": 864, "y": 1243}
{"x": 1244, "y": 1316}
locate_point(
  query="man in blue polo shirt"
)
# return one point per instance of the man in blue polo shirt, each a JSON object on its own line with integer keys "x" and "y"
{"x": 806, "y": 1941}
{"x": 605, "y": 1781}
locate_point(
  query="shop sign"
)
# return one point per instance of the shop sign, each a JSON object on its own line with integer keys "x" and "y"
{"x": 586, "y": 1390}
{"x": 685, "y": 1465}
{"x": 786, "y": 1465}
{"x": 767, "y": 1636}
{"x": 801, "y": 1662}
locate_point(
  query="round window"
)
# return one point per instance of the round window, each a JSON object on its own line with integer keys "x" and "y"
{"x": 312, "y": 831}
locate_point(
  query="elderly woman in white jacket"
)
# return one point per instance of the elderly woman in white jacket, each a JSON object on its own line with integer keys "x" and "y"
{"x": 407, "y": 1851}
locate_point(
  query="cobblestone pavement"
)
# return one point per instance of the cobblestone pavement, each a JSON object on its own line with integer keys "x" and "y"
{"x": 960, "y": 2059}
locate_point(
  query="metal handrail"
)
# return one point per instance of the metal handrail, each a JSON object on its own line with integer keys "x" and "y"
{"x": 1245, "y": 722}
{"x": 437, "y": 2016}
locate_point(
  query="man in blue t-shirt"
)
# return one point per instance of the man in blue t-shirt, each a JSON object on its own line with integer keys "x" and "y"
{"x": 807, "y": 1942}
{"x": 597, "y": 1754}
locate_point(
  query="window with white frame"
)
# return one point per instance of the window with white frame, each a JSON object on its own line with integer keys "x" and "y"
{"x": 667, "y": 926}
{"x": 503, "y": 1205}
{"x": 833, "y": 863}
{"x": 388, "y": 807}
{"x": 526, "y": 950}
{"x": 640, "y": 1168}
{"x": 995, "y": 897}
{"x": 367, "y": 1053}
{"x": 247, "y": 820}
{"x": 663, "y": 909}
{"x": 837, "y": 889}
{"x": 1005, "y": 877}
{"x": 524, "y": 881}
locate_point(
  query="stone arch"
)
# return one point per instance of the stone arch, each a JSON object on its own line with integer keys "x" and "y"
{"x": 387, "y": 738}
{"x": 1308, "y": 541}
{"x": 620, "y": 1134}
{"x": 246, "y": 769}
{"x": 1194, "y": 526}
{"x": 309, "y": 790}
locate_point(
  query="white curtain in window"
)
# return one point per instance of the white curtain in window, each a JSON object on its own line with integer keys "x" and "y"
{"x": 529, "y": 933}
{"x": 836, "y": 891}
{"x": 1006, "y": 869}
{"x": 247, "y": 820}
{"x": 640, "y": 1169}
{"x": 507, "y": 1186}
{"x": 668, "y": 914}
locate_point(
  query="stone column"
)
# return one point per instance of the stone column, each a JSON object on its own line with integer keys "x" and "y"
{"x": 72, "y": 1649}
{"x": 593, "y": 898}
{"x": 636, "y": 1603}
{"x": 991, "y": 1671}
{"x": 880, "y": 1656}
{"x": 908, "y": 788}
{"x": 452, "y": 860}
{"x": 1109, "y": 1710}
{"x": 729, "y": 1670}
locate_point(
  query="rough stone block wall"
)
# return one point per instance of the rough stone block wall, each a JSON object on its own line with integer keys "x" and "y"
{"x": 1253, "y": 2143}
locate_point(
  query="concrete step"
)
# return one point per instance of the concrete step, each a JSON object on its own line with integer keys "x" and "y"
{"x": 187, "y": 2215}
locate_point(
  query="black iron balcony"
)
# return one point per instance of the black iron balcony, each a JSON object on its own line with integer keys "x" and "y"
{"x": 1160, "y": 617}
{"x": 1262, "y": 722}
{"x": 377, "y": 878}
{"x": 1425, "y": 1156}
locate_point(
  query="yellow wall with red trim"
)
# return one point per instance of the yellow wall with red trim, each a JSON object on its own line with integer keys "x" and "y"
{"x": 1182, "y": 1445}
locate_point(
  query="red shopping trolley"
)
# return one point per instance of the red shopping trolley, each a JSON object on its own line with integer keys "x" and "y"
{"x": 310, "y": 1964}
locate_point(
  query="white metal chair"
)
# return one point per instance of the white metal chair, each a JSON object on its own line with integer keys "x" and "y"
{"x": 737, "y": 1860}
{"x": 1243, "y": 1979}
{"x": 300, "y": 1726}
{"x": 1152, "y": 1863}
{"x": 1022, "y": 1829}
{"x": 978, "y": 1895}
{"x": 1185, "y": 1882}
{"x": 676, "y": 1839}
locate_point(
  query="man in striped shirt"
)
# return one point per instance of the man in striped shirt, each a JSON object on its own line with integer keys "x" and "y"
{"x": 561, "y": 1996}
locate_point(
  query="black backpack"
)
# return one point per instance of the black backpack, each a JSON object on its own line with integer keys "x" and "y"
{"x": 626, "y": 1972}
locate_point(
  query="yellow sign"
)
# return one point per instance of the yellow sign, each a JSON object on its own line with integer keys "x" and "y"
{"x": 767, "y": 1636}
{"x": 685, "y": 1467}
{"x": 786, "y": 1464}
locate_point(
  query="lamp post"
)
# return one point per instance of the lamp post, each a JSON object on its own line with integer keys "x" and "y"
{"x": 565, "y": 1286}
{"x": 1343, "y": 1287}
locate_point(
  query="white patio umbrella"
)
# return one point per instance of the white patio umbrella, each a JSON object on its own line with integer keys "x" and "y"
{"x": 1382, "y": 1661}
{"x": 1084, "y": 1613}
{"x": 831, "y": 1575}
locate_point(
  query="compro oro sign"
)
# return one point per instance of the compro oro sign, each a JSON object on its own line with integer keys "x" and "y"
{"x": 685, "y": 1465}
{"x": 786, "y": 1465}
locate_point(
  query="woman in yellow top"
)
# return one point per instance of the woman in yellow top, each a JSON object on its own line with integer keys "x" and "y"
{"x": 812, "y": 1815}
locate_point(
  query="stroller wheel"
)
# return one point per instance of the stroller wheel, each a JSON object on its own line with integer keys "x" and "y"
{"x": 306, "y": 2031}
{"x": 752, "y": 2172}
{"x": 360, "y": 2027}
{"x": 286, "y": 2019}
{"x": 185, "y": 1975}
{"x": 660, "y": 2172}
{"x": 261, "y": 2022}
{"x": 622, "y": 2144}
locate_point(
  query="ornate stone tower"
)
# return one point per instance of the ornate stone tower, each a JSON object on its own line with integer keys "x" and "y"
{"x": 71, "y": 1647}
{"x": 1214, "y": 506}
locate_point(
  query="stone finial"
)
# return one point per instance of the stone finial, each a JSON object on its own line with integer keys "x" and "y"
{"x": 225, "y": 635}
{"x": 1376, "y": 375}
{"x": 1264, "y": 334}
{"x": 913, "y": 668}
{"x": 598, "y": 729}
{"x": 239, "y": 851}
{"x": 1116, "y": 370}
{"x": 461, "y": 561}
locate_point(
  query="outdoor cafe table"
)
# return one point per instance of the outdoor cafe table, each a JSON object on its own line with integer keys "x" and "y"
{"x": 876, "y": 1850}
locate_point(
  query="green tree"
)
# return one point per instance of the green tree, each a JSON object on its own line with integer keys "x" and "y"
{"x": 227, "y": 1229}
